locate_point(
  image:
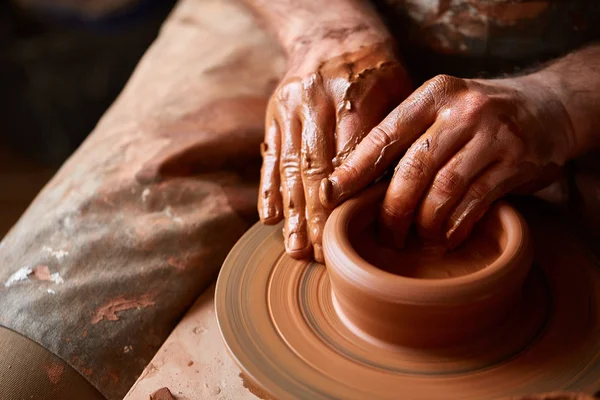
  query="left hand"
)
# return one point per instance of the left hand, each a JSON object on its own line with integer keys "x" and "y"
{"x": 461, "y": 144}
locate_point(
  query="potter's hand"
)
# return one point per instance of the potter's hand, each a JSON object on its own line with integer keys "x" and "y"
{"x": 461, "y": 144}
{"x": 330, "y": 98}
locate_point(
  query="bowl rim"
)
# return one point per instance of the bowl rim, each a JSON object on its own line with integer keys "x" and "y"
{"x": 344, "y": 261}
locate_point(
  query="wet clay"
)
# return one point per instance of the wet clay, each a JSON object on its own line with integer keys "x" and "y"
{"x": 424, "y": 260}
{"x": 380, "y": 293}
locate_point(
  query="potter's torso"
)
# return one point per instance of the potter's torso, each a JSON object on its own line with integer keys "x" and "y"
{"x": 473, "y": 37}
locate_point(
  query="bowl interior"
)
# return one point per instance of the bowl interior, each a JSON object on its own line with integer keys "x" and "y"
{"x": 423, "y": 260}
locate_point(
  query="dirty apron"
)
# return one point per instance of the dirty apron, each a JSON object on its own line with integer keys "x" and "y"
{"x": 137, "y": 222}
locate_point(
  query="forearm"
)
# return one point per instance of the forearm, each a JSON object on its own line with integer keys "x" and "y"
{"x": 303, "y": 22}
{"x": 575, "y": 80}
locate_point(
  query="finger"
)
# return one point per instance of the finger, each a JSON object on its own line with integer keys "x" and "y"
{"x": 494, "y": 183}
{"x": 351, "y": 129}
{"x": 414, "y": 175}
{"x": 364, "y": 105}
{"x": 317, "y": 151}
{"x": 450, "y": 184}
{"x": 269, "y": 197}
{"x": 387, "y": 141}
{"x": 294, "y": 228}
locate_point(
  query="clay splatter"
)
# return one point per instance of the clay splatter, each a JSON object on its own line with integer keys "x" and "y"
{"x": 162, "y": 394}
{"x": 198, "y": 330}
{"x": 42, "y": 273}
{"x": 58, "y": 254}
{"x": 109, "y": 310}
{"x": 54, "y": 372}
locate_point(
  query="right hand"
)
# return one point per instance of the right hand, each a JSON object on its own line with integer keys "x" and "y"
{"x": 334, "y": 92}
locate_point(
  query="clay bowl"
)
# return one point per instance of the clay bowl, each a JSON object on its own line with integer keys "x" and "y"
{"x": 424, "y": 296}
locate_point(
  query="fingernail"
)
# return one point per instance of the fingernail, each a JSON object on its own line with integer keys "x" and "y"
{"x": 453, "y": 236}
{"x": 327, "y": 193}
{"x": 269, "y": 213}
{"x": 295, "y": 242}
{"x": 319, "y": 256}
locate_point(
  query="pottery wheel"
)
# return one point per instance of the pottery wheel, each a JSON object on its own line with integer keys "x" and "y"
{"x": 278, "y": 321}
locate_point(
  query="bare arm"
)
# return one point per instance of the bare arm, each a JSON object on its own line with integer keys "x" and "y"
{"x": 306, "y": 22}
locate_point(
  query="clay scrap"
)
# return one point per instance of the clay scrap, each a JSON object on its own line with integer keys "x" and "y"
{"x": 162, "y": 394}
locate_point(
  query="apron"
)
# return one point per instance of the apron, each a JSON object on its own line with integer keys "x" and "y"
{"x": 484, "y": 38}
{"x": 135, "y": 225}
{"x": 137, "y": 222}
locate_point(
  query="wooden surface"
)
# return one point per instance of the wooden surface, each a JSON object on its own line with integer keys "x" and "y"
{"x": 193, "y": 363}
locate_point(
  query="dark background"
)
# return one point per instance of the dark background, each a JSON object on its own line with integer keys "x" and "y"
{"x": 60, "y": 69}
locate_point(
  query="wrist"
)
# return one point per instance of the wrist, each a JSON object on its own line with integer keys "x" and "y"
{"x": 545, "y": 98}
{"x": 346, "y": 34}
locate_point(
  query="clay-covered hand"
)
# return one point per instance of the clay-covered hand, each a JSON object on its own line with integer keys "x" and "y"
{"x": 330, "y": 98}
{"x": 457, "y": 145}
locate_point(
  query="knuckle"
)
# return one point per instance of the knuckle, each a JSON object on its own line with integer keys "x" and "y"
{"x": 447, "y": 182}
{"x": 442, "y": 84}
{"x": 312, "y": 82}
{"x": 347, "y": 172}
{"x": 288, "y": 92}
{"x": 475, "y": 103}
{"x": 413, "y": 168}
{"x": 380, "y": 137}
{"x": 314, "y": 171}
{"x": 479, "y": 190}
{"x": 289, "y": 167}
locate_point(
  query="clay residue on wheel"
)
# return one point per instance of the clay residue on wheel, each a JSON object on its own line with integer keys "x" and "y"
{"x": 254, "y": 389}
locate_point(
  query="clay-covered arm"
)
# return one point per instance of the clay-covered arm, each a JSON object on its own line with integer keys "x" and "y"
{"x": 306, "y": 22}
{"x": 457, "y": 145}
